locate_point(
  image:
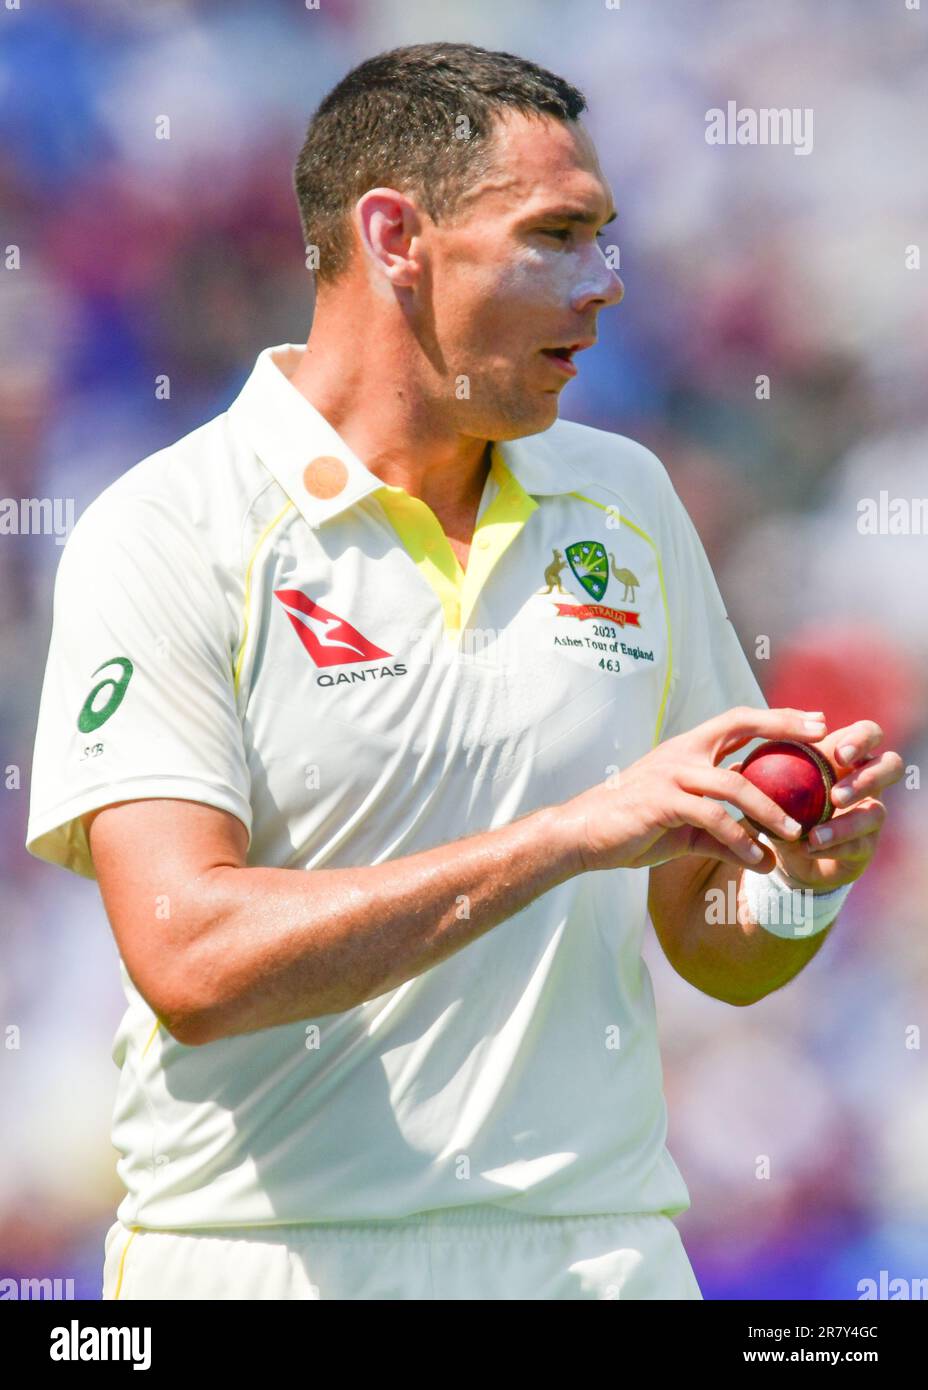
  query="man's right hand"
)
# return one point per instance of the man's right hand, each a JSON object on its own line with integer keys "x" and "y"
{"x": 668, "y": 803}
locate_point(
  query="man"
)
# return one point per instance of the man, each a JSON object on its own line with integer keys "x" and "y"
{"x": 383, "y": 707}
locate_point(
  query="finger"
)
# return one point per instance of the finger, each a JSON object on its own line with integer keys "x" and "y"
{"x": 726, "y": 785}
{"x": 852, "y": 852}
{"x": 854, "y": 743}
{"x": 733, "y": 844}
{"x": 769, "y": 861}
{"x": 868, "y": 779}
{"x": 707, "y": 847}
{"x": 726, "y": 732}
{"x": 840, "y": 830}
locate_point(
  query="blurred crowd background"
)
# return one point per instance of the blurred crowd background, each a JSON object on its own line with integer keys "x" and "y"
{"x": 183, "y": 256}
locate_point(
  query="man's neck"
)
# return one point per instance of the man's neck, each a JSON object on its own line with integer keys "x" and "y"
{"x": 397, "y": 437}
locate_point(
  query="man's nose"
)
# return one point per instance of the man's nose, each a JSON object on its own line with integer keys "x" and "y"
{"x": 604, "y": 289}
{"x": 616, "y": 288}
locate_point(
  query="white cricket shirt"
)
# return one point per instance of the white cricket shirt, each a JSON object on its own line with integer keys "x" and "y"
{"x": 251, "y": 619}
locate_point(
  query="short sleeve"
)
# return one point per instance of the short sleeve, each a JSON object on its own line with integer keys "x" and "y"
{"x": 138, "y": 697}
{"x": 711, "y": 672}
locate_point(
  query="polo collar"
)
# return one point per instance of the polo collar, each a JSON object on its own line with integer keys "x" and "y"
{"x": 316, "y": 468}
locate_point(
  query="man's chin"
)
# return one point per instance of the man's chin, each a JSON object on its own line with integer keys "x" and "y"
{"x": 549, "y": 412}
{"x": 512, "y": 428}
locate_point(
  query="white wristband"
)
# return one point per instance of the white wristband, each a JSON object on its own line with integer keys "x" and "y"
{"x": 786, "y": 911}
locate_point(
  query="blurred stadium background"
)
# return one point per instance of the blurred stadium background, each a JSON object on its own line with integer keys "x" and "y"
{"x": 183, "y": 256}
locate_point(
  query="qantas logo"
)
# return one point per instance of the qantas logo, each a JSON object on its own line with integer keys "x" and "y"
{"x": 329, "y": 639}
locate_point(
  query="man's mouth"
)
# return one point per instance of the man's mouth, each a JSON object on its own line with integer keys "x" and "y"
{"x": 563, "y": 356}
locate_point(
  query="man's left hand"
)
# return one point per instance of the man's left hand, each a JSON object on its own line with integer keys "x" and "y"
{"x": 839, "y": 850}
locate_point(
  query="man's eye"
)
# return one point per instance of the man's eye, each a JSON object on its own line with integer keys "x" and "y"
{"x": 563, "y": 233}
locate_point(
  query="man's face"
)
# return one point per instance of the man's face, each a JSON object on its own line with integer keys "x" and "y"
{"x": 513, "y": 274}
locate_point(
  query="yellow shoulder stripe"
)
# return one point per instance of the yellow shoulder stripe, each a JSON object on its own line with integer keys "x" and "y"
{"x": 122, "y": 1260}
{"x": 152, "y": 1036}
{"x": 248, "y": 573}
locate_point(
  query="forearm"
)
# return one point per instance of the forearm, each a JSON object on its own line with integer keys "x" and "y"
{"x": 273, "y": 946}
{"x": 724, "y": 952}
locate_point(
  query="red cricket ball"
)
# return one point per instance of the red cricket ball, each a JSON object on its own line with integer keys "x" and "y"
{"x": 794, "y": 775}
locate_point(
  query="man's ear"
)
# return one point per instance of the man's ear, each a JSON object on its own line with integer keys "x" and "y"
{"x": 388, "y": 224}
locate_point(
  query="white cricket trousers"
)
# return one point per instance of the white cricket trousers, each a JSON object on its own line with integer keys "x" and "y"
{"x": 475, "y": 1252}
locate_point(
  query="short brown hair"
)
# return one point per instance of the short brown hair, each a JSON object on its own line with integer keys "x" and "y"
{"x": 394, "y": 121}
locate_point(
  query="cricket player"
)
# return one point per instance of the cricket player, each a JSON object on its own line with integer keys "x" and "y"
{"x": 384, "y": 708}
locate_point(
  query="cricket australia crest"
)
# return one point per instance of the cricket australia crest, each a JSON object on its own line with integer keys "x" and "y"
{"x": 590, "y": 565}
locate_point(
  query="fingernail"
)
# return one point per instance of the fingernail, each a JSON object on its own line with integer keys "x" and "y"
{"x": 792, "y": 827}
{"x": 822, "y": 835}
{"x": 840, "y": 795}
{"x": 813, "y": 726}
{"x": 756, "y": 853}
{"x": 847, "y": 752}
